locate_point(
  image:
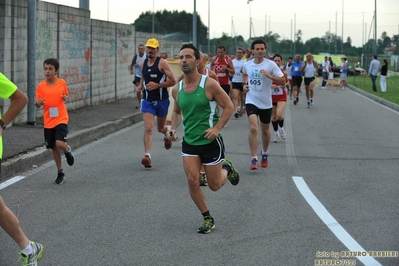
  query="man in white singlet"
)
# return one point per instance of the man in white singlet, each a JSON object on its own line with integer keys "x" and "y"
{"x": 310, "y": 68}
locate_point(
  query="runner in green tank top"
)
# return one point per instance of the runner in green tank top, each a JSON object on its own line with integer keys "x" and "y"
{"x": 196, "y": 98}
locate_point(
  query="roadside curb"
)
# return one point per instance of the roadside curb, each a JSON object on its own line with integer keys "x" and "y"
{"x": 25, "y": 162}
{"x": 389, "y": 104}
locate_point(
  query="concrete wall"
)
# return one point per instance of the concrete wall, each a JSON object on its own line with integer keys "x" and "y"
{"x": 94, "y": 55}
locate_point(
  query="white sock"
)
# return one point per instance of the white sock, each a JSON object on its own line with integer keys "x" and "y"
{"x": 264, "y": 153}
{"x": 28, "y": 250}
{"x": 255, "y": 157}
{"x": 149, "y": 155}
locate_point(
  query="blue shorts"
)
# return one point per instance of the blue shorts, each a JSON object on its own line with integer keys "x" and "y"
{"x": 158, "y": 108}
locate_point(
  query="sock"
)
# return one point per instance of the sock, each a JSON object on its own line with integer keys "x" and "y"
{"x": 264, "y": 153}
{"x": 28, "y": 250}
{"x": 255, "y": 157}
{"x": 275, "y": 125}
{"x": 62, "y": 170}
{"x": 149, "y": 155}
{"x": 206, "y": 214}
{"x": 281, "y": 123}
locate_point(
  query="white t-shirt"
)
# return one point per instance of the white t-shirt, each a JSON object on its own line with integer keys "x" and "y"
{"x": 238, "y": 64}
{"x": 260, "y": 87}
{"x": 326, "y": 66}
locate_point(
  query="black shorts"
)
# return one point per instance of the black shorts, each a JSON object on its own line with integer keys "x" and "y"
{"x": 238, "y": 86}
{"x": 210, "y": 154}
{"x": 296, "y": 81}
{"x": 136, "y": 80}
{"x": 265, "y": 115}
{"x": 309, "y": 80}
{"x": 59, "y": 132}
{"x": 226, "y": 88}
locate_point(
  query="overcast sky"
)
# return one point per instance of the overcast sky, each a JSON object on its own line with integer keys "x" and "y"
{"x": 313, "y": 17}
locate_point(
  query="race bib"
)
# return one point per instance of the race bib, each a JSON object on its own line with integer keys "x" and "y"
{"x": 53, "y": 111}
{"x": 277, "y": 91}
{"x": 255, "y": 81}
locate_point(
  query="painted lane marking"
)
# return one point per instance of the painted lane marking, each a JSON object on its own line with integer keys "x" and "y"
{"x": 331, "y": 223}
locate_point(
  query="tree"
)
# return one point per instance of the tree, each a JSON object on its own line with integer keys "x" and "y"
{"x": 174, "y": 24}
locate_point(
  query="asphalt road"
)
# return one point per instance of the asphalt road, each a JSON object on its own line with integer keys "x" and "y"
{"x": 331, "y": 186}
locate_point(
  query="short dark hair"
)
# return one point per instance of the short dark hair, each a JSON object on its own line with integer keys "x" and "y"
{"x": 222, "y": 47}
{"x": 277, "y": 55}
{"x": 52, "y": 61}
{"x": 375, "y": 56}
{"x": 241, "y": 49}
{"x": 290, "y": 57}
{"x": 195, "y": 49}
{"x": 258, "y": 41}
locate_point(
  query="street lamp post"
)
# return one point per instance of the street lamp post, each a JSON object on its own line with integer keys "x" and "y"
{"x": 250, "y": 18}
{"x": 153, "y": 18}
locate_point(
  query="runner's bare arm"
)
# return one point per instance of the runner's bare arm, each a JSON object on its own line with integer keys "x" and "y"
{"x": 176, "y": 115}
{"x": 165, "y": 68}
{"x": 230, "y": 69}
{"x": 214, "y": 91}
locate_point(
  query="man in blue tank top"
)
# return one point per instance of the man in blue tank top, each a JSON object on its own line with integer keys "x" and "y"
{"x": 296, "y": 77}
{"x": 156, "y": 77}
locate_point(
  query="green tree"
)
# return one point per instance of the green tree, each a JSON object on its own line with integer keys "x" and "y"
{"x": 175, "y": 24}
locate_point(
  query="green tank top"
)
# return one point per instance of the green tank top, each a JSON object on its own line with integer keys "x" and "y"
{"x": 199, "y": 113}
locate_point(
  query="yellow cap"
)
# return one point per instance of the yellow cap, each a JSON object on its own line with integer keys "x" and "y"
{"x": 153, "y": 43}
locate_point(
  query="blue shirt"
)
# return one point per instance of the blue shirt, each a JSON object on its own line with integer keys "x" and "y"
{"x": 296, "y": 68}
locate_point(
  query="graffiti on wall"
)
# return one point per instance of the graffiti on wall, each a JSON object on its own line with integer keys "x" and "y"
{"x": 77, "y": 79}
{"x": 44, "y": 40}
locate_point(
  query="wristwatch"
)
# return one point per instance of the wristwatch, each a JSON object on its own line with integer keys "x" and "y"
{"x": 2, "y": 124}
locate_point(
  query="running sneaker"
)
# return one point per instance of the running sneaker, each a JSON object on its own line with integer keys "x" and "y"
{"x": 264, "y": 162}
{"x": 282, "y": 133}
{"x": 233, "y": 175}
{"x": 276, "y": 137}
{"x": 146, "y": 161}
{"x": 254, "y": 164}
{"x": 237, "y": 114}
{"x": 308, "y": 104}
{"x": 69, "y": 156}
{"x": 208, "y": 225}
{"x": 31, "y": 259}
{"x": 202, "y": 180}
{"x": 60, "y": 177}
{"x": 168, "y": 143}
{"x": 311, "y": 102}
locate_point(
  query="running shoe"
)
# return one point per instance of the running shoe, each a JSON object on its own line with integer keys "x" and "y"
{"x": 276, "y": 137}
{"x": 311, "y": 102}
{"x": 208, "y": 225}
{"x": 69, "y": 156}
{"x": 254, "y": 164}
{"x": 202, "y": 180}
{"x": 31, "y": 259}
{"x": 237, "y": 114}
{"x": 282, "y": 133}
{"x": 168, "y": 143}
{"x": 233, "y": 175}
{"x": 308, "y": 104}
{"x": 60, "y": 177}
{"x": 264, "y": 162}
{"x": 146, "y": 161}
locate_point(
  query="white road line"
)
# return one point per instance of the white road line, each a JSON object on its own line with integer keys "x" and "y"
{"x": 11, "y": 181}
{"x": 15, "y": 179}
{"x": 331, "y": 223}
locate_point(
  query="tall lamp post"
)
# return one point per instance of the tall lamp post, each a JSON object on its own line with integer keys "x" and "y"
{"x": 153, "y": 18}
{"x": 209, "y": 27}
{"x": 250, "y": 18}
